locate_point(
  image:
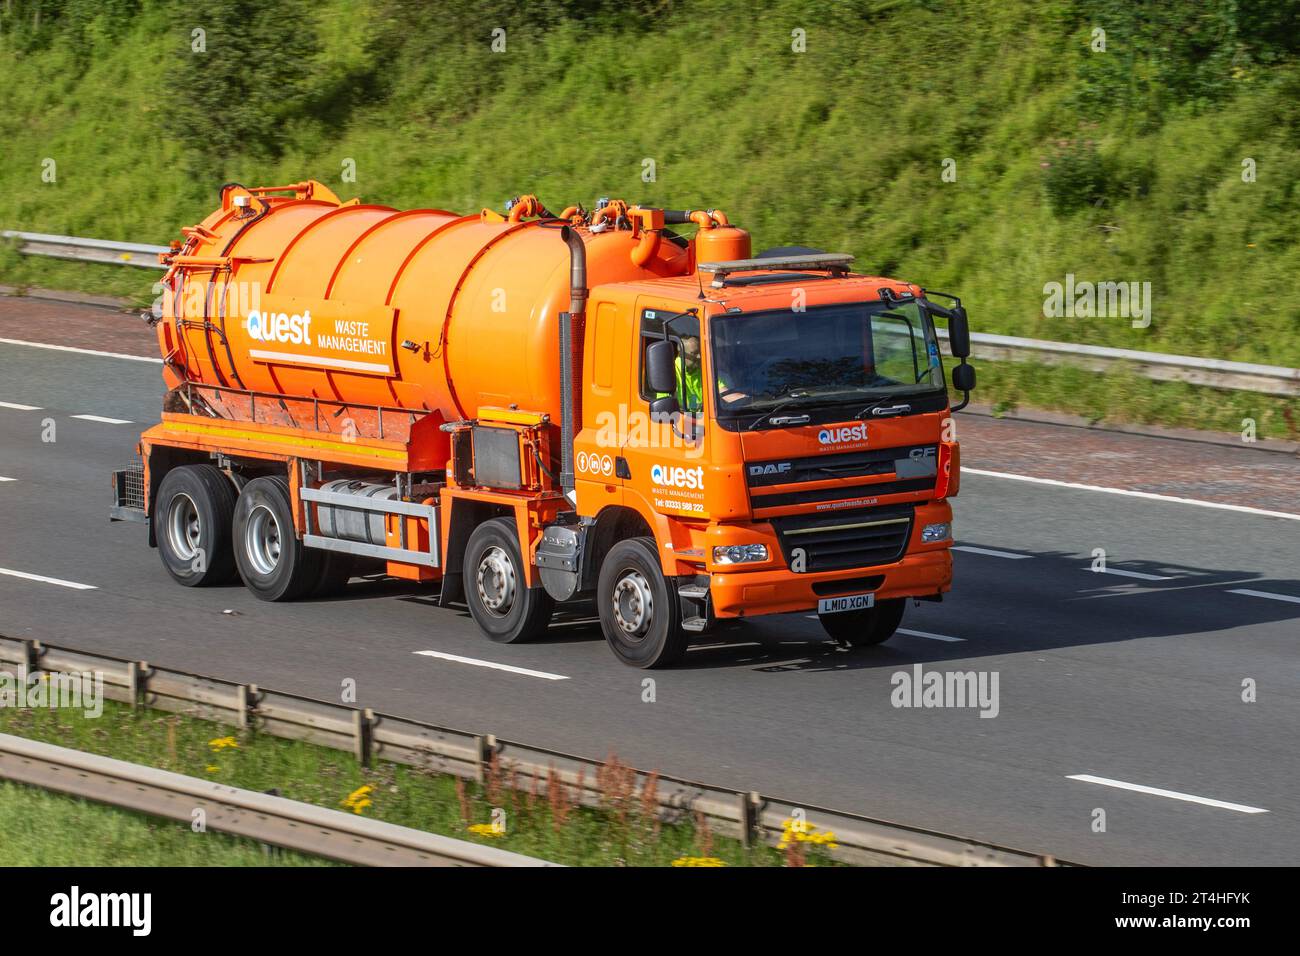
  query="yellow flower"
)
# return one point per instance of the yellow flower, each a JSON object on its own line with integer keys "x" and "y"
{"x": 487, "y": 829}
{"x": 357, "y": 800}
{"x": 801, "y": 831}
{"x": 698, "y": 861}
{"x": 222, "y": 743}
{"x": 213, "y": 768}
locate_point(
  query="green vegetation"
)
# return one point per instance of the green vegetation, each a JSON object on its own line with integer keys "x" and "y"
{"x": 621, "y": 833}
{"x": 1130, "y": 164}
{"x": 40, "y": 828}
{"x": 1124, "y": 395}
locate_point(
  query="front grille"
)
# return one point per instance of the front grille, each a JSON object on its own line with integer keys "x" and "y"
{"x": 856, "y": 538}
{"x": 847, "y": 477}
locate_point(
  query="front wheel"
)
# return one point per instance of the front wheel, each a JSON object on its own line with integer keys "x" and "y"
{"x": 640, "y": 614}
{"x": 873, "y": 625}
{"x": 502, "y": 604}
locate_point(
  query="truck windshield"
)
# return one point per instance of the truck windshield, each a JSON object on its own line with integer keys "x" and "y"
{"x": 837, "y": 353}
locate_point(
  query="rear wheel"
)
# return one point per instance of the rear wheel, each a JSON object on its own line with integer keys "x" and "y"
{"x": 873, "y": 625}
{"x": 273, "y": 562}
{"x": 192, "y": 524}
{"x": 640, "y": 613}
{"x": 337, "y": 569}
{"x": 502, "y": 604}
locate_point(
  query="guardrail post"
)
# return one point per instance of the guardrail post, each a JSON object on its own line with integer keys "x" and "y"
{"x": 484, "y": 747}
{"x": 242, "y": 705}
{"x": 31, "y": 661}
{"x": 362, "y": 727}
{"x": 133, "y": 683}
{"x": 142, "y": 682}
{"x": 749, "y": 806}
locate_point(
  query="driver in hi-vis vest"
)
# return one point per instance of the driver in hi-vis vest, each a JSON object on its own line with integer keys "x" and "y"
{"x": 690, "y": 377}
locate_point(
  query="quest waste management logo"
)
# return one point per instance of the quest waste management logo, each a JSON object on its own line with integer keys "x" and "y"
{"x": 843, "y": 434}
{"x": 279, "y": 327}
{"x": 675, "y": 476}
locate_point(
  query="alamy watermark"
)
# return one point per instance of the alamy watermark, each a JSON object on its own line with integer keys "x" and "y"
{"x": 54, "y": 690}
{"x": 946, "y": 689}
{"x": 1075, "y": 299}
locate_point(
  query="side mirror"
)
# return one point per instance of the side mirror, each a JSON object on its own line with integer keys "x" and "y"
{"x": 959, "y": 333}
{"x": 661, "y": 367}
{"x": 663, "y": 409}
{"x": 963, "y": 378}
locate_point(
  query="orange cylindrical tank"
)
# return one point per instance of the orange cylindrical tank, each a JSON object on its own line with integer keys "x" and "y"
{"x": 722, "y": 244}
{"x": 303, "y": 295}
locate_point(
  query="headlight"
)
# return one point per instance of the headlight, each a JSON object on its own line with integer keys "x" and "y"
{"x": 936, "y": 532}
{"x": 740, "y": 554}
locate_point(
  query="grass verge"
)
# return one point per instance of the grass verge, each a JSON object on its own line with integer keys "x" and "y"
{"x": 547, "y": 824}
{"x": 1121, "y": 395}
{"x": 40, "y": 828}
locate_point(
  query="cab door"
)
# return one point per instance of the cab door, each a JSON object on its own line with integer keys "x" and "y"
{"x": 665, "y": 457}
{"x": 598, "y": 446}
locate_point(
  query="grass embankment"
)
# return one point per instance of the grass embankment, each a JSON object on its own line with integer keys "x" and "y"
{"x": 40, "y": 828}
{"x": 623, "y": 832}
{"x": 1168, "y": 157}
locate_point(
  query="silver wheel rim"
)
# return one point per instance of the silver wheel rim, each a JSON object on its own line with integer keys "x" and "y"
{"x": 495, "y": 579}
{"x": 262, "y": 540}
{"x": 183, "y": 527}
{"x": 634, "y": 604}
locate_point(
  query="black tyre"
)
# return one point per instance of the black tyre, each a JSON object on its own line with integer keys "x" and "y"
{"x": 272, "y": 560}
{"x": 336, "y": 569}
{"x": 192, "y": 524}
{"x": 874, "y": 625}
{"x": 499, "y": 599}
{"x": 639, "y": 610}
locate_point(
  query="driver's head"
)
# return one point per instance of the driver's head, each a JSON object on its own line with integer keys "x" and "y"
{"x": 691, "y": 346}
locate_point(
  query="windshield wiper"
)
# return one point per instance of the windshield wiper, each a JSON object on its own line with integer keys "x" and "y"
{"x": 875, "y": 408}
{"x": 791, "y": 396}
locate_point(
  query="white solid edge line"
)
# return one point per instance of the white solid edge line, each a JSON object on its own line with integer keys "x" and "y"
{"x": 1130, "y": 574}
{"x": 3, "y": 478}
{"x": 1133, "y": 494}
{"x": 990, "y": 552}
{"x": 20, "y": 408}
{"x": 1171, "y": 794}
{"x": 1265, "y": 594}
{"x": 44, "y": 580}
{"x": 929, "y": 636}
{"x": 509, "y": 668}
{"x": 69, "y": 348}
{"x": 101, "y": 418}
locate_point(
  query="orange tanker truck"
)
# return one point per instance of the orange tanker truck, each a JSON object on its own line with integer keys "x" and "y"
{"x": 537, "y": 408}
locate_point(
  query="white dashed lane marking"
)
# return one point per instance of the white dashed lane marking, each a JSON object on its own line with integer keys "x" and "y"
{"x": 508, "y": 668}
{"x": 1140, "y": 575}
{"x": 1265, "y": 594}
{"x": 931, "y": 637}
{"x": 28, "y": 576}
{"x": 20, "y": 408}
{"x": 101, "y": 418}
{"x": 1171, "y": 794}
{"x": 971, "y": 549}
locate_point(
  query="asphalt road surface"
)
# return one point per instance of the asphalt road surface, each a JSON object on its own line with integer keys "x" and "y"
{"x": 1133, "y": 676}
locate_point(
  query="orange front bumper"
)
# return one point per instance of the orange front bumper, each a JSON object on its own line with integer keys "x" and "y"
{"x": 779, "y": 591}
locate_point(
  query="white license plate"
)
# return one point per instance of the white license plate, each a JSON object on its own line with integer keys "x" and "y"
{"x": 851, "y": 602}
